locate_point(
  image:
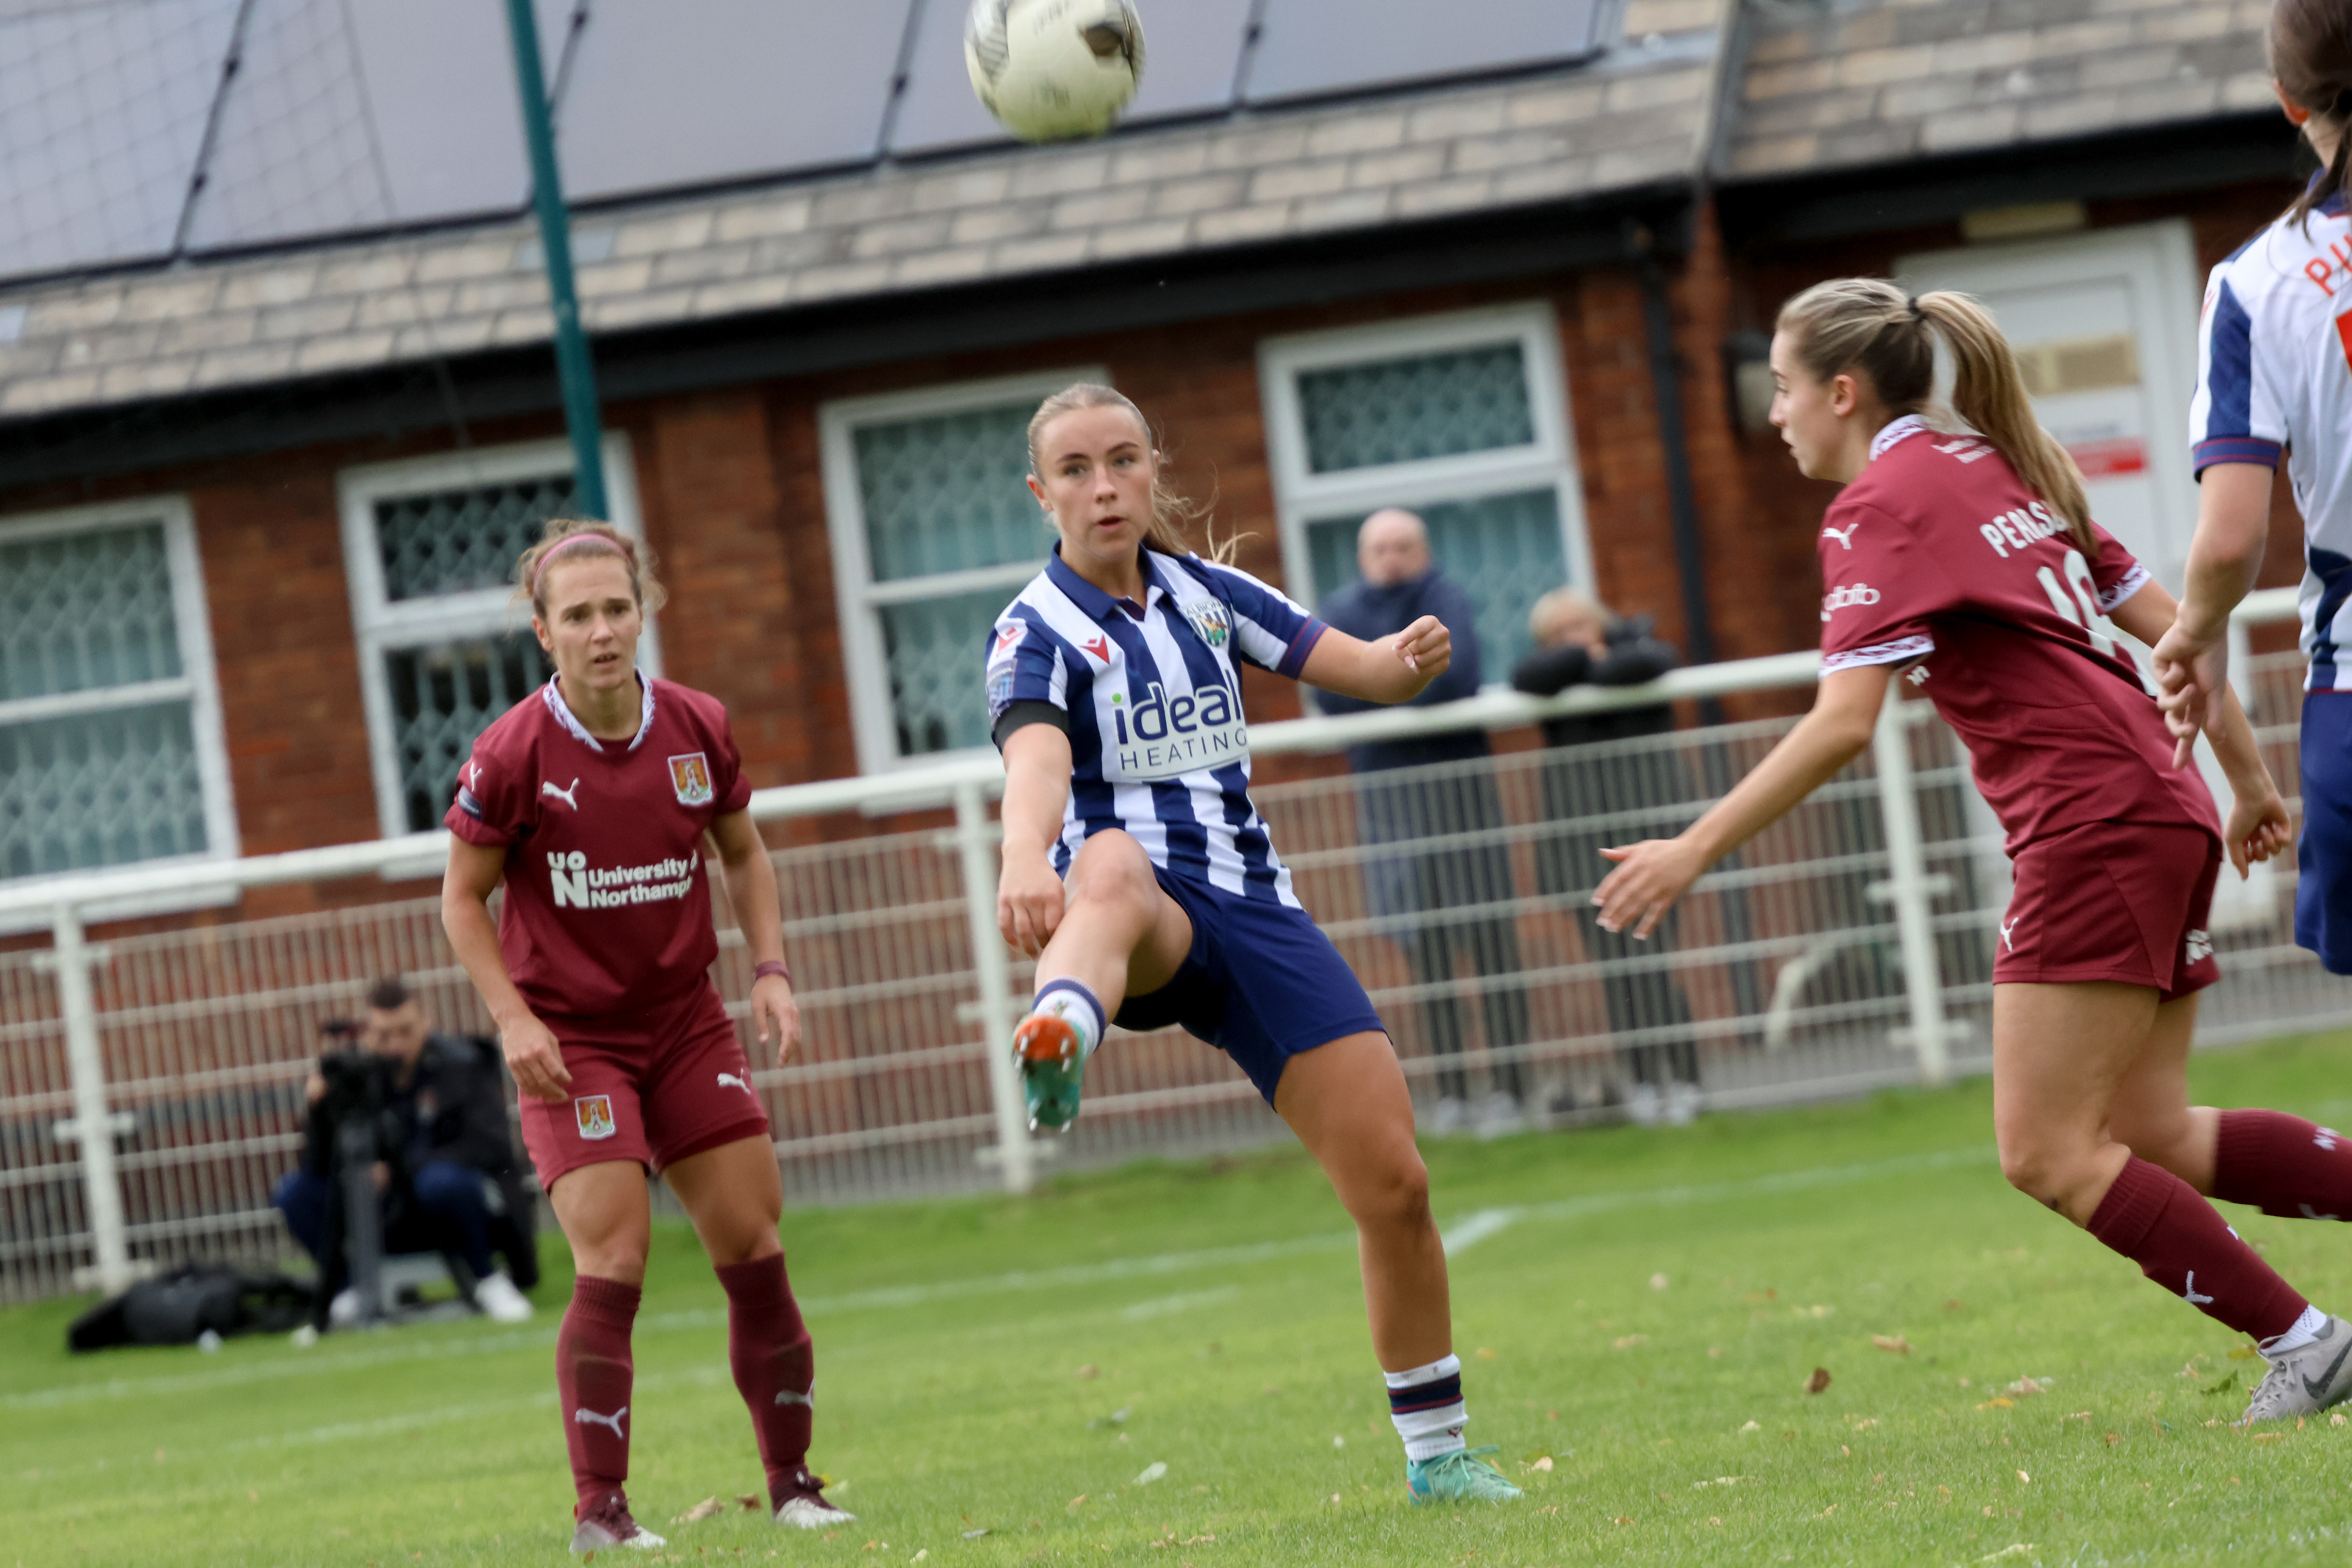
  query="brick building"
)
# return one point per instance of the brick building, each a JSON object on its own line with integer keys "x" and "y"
{"x": 258, "y": 494}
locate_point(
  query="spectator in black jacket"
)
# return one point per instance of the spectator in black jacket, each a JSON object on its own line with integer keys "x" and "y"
{"x": 1420, "y": 888}
{"x": 1580, "y": 642}
{"x": 452, "y": 1185}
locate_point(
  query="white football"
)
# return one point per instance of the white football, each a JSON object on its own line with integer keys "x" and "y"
{"x": 1050, "y": 69}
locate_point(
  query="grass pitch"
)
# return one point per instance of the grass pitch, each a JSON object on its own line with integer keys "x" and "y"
{"x": 1644, "y": 1309}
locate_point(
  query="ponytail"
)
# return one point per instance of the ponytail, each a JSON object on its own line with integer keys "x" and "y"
{"x": 2310, "y": 47}
{"x": 1869, "y": 326}
{"x": 1989, "y": 396}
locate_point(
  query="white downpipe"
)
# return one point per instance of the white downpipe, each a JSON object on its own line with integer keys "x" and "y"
{"x": 93, "y": 1127}
{"x": 995, "y": 977}
{"x": 1898, "y": 806}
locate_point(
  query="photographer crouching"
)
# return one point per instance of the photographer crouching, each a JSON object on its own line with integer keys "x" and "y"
{"x": 420, "y": 1118}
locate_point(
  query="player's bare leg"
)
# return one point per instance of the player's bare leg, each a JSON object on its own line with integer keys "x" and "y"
{"x": 2061, "y": 1057}
{"x": 607, "y": 1218}
{"x": 1347, "y": 1102}
{"x": 735, "y": 1196}
{"x": 2151, "y": 1110}
{"x": 1120, "y": 936}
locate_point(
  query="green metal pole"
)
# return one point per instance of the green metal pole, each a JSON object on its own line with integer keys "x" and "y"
{"x": 573, "y": 369}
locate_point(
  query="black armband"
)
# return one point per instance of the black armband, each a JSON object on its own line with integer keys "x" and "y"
{"x": 1031, "y": 710}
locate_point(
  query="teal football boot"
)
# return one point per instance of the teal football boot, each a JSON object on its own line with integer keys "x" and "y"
{"x": 1458, "y": 1477}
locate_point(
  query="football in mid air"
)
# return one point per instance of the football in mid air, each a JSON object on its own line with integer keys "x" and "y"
{"x": 1051, "y": 69}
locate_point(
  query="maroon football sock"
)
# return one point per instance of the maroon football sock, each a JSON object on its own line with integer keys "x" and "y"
{"x": 2283, "y": 1165}
{"x": 593, "y": 1373}
{"x": 775, "y": 1369}
{"x": 2157, "y": 1220}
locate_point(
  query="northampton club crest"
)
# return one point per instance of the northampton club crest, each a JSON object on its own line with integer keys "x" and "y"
{"x": 595, "y": 1112}
{"x": 690, "y": 775}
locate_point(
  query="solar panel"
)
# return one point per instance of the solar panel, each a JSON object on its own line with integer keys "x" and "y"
{"x": 1312, "y": 46}
{"x": 102, "y": 109}
{"x": 1191, "y": 52}
{"x": 686, "y": 91}
{"x": 440, "y": 83}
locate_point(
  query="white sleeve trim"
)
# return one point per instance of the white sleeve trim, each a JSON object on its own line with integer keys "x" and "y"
{"x": 1903, "y": 650}
{"x": 2135, "y": 579}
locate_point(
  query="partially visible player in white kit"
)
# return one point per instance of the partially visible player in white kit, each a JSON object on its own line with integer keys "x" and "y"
{"x": 2274, "y": 384}
{"x": 1141, "y": 879}
{"x": 594, "y": 799}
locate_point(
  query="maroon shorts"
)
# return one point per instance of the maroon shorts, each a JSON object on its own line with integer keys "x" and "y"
{"x": 2115, "y": 900}
{"x": 653, "y": 1087}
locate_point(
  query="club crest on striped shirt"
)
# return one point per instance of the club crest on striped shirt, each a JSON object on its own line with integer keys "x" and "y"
{"x": 690, "y": 775}
{"x": 1209, "y": 619}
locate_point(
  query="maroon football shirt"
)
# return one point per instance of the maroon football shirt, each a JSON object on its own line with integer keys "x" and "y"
{"x": 1937, "y": 556}
{"x": 606, "y": 909}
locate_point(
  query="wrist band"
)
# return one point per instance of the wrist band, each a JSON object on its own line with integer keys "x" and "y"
{"x": 772, "y": 966}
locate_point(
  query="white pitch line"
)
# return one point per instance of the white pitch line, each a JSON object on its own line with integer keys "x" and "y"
{"x": 1473, "y": 1228}
{"x": 301, "y": 1363}
{"x": 1187, "y": 1301}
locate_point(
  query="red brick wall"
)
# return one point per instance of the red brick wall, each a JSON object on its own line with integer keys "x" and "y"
{"x": 733, "y": 501}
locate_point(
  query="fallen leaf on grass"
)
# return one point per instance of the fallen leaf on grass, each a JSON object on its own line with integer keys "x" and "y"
{"x": 1819, "y": 1380}
{"x": 1821, "y": 1311}
{"x": 2336, "y": 1419}
{"x": 1895, "y": 1343}
{"x": 1485, "y": 1353}
{"x": 1075, "y": 1501}
{"x": 700, "y": 1512}
{"x": 1865, "y": 1423}
{"x": 1628, "y": 1342}
{"x": 2270, "y": 1436}
{"x": 2027, "y": 1386}
{"x": 1089, "y": 1371}
{"x": 1542, "y": 1464}
{"x": 2244, "y": 1352}
{"x": 2114, "y": 1439}
{"x": 2024, "y": 1478}
{"x": 750, "y": 1500}
{"x": 2223, "y": 1386}
{"x": 1715, "y": 1352}
{"x": 1998, "y": 1403}
{"x": 1151, "y": 1472}
{"x": 2082, "y": 1416}
{"x": 1751, "y": 1426}
{"x": 1623, "y": 1519}
{"x": 1659, "y": 1281}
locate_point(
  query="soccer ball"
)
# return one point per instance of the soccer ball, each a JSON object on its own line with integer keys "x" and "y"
{"x": 1054, "y": 69}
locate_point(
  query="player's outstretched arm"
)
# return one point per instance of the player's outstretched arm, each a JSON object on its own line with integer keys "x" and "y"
{"x": 1036, "y": 787}
{"x": 1394, "y": 669}
{"x": 532, "y": 1052}
{"x": 2193, "y": 654}
{"x": 1651, "y": 875}
{"x": 751, "y": 879}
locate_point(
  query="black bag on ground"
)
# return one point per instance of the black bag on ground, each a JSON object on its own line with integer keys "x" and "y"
{"x": 176, "y": 1309}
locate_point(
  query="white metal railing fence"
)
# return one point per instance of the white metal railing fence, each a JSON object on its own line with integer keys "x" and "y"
{"x": 150, "y": 1085}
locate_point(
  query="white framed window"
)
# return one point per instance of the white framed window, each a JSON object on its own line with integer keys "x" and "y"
{"x": 429, "y": 548}
{"x": 933, "y": 530}
{"x": 1462, "y": 418}
{"x": 111, "y": 749}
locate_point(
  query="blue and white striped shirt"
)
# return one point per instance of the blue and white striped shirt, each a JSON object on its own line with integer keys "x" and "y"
{"x": 2275, "y": 379}
{"x": 1158, "y": 746}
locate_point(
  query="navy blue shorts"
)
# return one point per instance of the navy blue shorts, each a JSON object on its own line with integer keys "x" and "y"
{"x": 1261, "y": 984}
{"x": 2323, "y": 888}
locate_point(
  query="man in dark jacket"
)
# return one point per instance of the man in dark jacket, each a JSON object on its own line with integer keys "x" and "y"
{"x": 450, "y": 1182}
{"x": 1438, "y": 794}
{"x": 1579, "y": 642}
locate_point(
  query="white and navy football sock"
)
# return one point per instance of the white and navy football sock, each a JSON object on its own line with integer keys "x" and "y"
{"x": 1425, "y": 1402}
{"x": 1070, "y": 1001}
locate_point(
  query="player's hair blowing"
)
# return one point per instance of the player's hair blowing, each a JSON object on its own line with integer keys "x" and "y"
{"x": 1170, "y": 510}
{"x": 1870, "y": 326}
{"x": 581, "y": 540}
{"x": 2310, "y": 45}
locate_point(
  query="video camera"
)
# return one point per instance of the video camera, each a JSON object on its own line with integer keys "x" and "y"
{"x": 361, "y": 1087}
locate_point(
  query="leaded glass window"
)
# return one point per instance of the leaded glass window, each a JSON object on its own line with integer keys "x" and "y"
{"x": 110, "y": 744}
{"x": 1428, "y": 405}
{"x": 444, "y": 695}
{"x": 1462, "y": 419}
{"x": 446, "y": 542}
{"x": 445, "y": 648}
{"x": 934, "y": 530}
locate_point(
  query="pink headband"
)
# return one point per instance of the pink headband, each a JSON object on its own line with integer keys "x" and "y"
{"x": 566, "y": 542}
